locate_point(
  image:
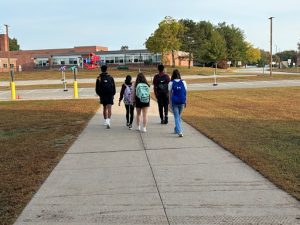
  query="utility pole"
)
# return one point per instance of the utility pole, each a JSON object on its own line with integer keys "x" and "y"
{"x": 271, "y": 31}
{"x": 8, "y": 54}
{"x": 11, "y": 72}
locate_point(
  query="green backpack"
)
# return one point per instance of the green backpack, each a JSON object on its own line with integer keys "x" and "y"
{"x": 143, "y": 92}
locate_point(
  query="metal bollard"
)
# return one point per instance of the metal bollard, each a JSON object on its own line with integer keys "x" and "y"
{"x": 75, "y": 84}
{"x": 13, "y": 90}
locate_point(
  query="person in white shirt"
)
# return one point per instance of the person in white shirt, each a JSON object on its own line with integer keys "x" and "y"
{"x": 177, "y": 93}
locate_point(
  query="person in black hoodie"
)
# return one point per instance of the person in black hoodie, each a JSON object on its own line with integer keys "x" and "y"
{"x": 106, "y": 89}
{"x": 160, "y": 83}
{"x": 127, "y": 94}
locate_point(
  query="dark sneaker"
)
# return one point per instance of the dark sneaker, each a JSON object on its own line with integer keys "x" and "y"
{"x": 162, "y": 122}
{"x": 130, "y": 126}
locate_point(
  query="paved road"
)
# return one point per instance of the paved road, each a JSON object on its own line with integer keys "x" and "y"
{"x": 117, "y": 176}
{"x": 90, "y": 92}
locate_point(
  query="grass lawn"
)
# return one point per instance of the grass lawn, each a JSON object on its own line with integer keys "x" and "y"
{"x": 55, "y": 74}
{"x": 34, "y": 135}
{"x": 288, "y": 70}
{"x": 260, "y": 126}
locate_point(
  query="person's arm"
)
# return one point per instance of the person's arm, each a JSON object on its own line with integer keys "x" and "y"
{"x": 185, "y": 86}
{"x": 97, "y": 89}
{"x": 168, "y": 78}
{"x": 122, "y": 93}
{"x": 133, "y": 92}
{"x": 170, "y": 93}
{"x": 114, "y": 86}
{"x": 154, "y": 85}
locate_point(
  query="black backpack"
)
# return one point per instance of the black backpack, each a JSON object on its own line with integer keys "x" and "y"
{"x": 106, "y": 85}
{"x": 162, "y": 84}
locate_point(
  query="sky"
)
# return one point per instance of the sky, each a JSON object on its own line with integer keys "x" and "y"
{"x": 47, "y": 24}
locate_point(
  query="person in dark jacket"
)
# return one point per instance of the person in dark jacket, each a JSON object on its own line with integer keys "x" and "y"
{"x": 106, "y": 89}
{"x": 127, "y": 94}
{"x": 160, "y": 83}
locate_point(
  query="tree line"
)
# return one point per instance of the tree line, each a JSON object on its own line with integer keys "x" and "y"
{"x": 206, "y": 43}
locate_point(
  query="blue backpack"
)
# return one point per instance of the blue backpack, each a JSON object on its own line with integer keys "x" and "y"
{"x": 178, "y": 93}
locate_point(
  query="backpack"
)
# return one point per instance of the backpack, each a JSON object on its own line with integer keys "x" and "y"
{"x": 106, "y": 85}
{"x": 143, "y": 92}
{"x": 178, "y": 93}
{"x": 162, "y": 84}
{"x": 128, "y": 95}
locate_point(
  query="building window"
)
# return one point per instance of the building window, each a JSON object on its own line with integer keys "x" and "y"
{"x": 5, "y": 66}
{"x": 110, "y": 59}
{"x": 73, "y": 61}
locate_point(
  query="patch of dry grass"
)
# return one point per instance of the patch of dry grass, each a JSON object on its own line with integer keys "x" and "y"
{"x": 34, "y": 135}
{"x": 55, "y": 74}
{"x": 260, "y": 126}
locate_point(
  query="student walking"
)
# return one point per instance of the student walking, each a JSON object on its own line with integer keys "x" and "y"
{"x": 142, "y": 101}
{"x": 127, "y": 94}
{"x": 160, "y": 83}
{"x": 106, "y": 89}
{"x": 177, "y": 93}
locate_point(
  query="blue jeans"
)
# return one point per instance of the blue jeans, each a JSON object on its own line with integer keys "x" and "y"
{"x": 177, "y": 110}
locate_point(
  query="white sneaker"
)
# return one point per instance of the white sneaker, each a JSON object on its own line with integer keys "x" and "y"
{"x": 138, "y": 128}
{"x": 144, "y": 129}
{"x": 108, "y": 123}
{"x": 180, "y": 135}
{"x": 105, "y": 122}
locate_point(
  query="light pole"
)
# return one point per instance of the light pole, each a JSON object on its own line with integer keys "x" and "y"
{"x": 271, "y": 30}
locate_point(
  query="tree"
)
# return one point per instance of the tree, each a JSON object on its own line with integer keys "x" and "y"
{"x": 252, "y": 54}
{"x": 188, "y": 38}
{"x": 264, "y": 58}
{"x": 215, "y": 48}
{"x": 13, "y": 44}
{"x": 166, "y": 38}
{"x": 285, "y": 55}
{"x": 235, "y": 43}
{"x": 124, "y": 48}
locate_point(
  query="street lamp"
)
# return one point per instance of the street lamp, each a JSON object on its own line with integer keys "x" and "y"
{"x": 271, "y": 30}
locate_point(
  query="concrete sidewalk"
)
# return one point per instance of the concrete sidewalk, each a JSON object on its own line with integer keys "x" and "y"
{"x": 118, "y": 176}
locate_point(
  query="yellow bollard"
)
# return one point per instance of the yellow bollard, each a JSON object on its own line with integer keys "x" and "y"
{"x": 13, "y": 90}
{"x": 75, "y": 89}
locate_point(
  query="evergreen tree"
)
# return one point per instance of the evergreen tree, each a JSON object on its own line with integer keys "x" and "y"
{"x": 13, "y": 44}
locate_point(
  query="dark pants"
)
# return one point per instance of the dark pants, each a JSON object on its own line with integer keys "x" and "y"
{"x": 129, "y": 110}
{"x": 163, "y": 104}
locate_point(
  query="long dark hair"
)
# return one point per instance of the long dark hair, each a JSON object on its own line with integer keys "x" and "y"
{"x": 141, "y": 79}
{"x": 128, "y": 80}
{"x": 175, "y": 75}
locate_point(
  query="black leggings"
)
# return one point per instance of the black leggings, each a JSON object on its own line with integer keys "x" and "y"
{"x": 129, "y": 110}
